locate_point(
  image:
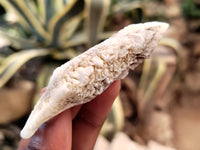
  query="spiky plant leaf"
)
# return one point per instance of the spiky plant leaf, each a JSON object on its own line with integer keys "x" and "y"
{"x": 77, "y": 39}
{"x": 12, "y": 11}
{"x": 96, "y": 12}
{"x": 43, "y": 78}
{"x": 35, "y": 25}
{"x": 81, "y": 38}
{"x": 68, "y": 53}
{"x": 144, "y": 78}
{"x": 59, "y": 5}
{"x": 32, "y": 6}
{"x": 115, "y": 120}
{"x": 70, "y": 28}
{"x": 56, "y": 24}
{"x": 17, "y": 42}
{"x": 157, "y": 77}
{"x": 105, "y": 35}
{"x": 12, "y": 63}
{"x": 46, "y": 10}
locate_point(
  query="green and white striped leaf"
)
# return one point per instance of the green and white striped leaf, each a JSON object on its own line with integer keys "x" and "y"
{"x": 56, "y": 24}
{"x": 46, "y": 10}
{"x": 43, "y": 78}
{"x": 69, "y": 29}
{"x": 31, "y": 19}
{"x": 18, "y": 42}
{"x": 68, "y": 53}
{"x": 11, "y": 10}
{"x": 96, "y": 12}
{"x": 12, "y": 63}
{"x": 77, "y": 39}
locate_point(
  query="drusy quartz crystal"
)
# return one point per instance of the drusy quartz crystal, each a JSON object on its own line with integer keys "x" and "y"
{"x": 89, "y": 74}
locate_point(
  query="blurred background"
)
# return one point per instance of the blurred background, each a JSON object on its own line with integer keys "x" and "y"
{"x": 159, "y": 103}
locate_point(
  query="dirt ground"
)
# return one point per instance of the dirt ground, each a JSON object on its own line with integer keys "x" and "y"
{"x": 186, "y": 125}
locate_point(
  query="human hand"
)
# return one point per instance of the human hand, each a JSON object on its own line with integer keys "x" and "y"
{"x": 76, "y": 128}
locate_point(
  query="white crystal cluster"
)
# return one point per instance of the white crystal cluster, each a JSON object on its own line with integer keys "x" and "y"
{"x": 89, "y": 74}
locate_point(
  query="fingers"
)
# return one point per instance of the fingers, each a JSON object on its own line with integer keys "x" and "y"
{"x": 87, "y": 124}
{"x": 23, "y": 143}
{"x": 54, "y": 135}
{"x": 57, "y": 133}
{"x": 75, "y": 110}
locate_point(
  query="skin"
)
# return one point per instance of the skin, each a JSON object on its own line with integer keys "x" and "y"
{"x": 76, "y": 128}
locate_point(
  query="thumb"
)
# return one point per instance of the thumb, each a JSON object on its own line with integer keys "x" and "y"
{"x": 56, "y": 134}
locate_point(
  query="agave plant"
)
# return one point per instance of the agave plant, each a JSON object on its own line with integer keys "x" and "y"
{"x": 54, "y": 29}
